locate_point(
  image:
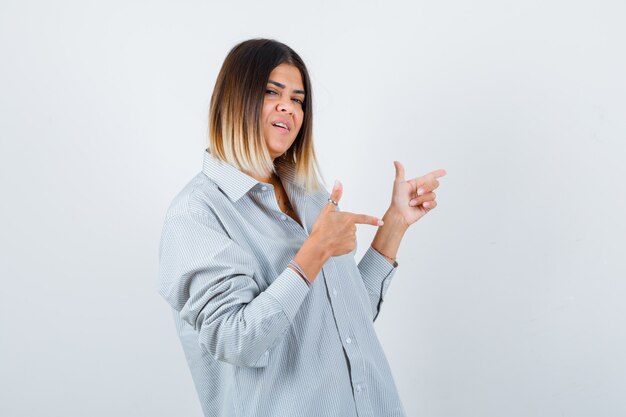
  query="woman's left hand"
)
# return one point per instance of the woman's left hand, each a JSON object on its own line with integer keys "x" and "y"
{"x": 413, "y": 198}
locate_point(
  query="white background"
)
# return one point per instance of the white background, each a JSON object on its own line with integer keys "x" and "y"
{"x": 509, "y": 299}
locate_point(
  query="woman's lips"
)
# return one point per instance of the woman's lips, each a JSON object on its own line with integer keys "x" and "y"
{"x": 281, "y": 130}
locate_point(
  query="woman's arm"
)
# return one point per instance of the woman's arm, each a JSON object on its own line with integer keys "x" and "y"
{"x": 378, "y": 266}
{"x": 209, "y": 279}
{"x": 410, "y": 200}
{"x": 388, "y": 237}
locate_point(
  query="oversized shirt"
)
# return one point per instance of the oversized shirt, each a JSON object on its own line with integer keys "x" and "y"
{"x": 258, "y": 340}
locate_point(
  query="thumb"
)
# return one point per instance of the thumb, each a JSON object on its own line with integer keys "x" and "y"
{"x": 336, "y": 194}
{"x": 399, "y": 171}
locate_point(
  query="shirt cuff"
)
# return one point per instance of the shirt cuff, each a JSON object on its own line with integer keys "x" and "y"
{"x": 289, "y": 290}
{"x": 376, "y": 271}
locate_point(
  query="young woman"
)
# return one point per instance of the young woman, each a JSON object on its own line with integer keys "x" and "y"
{"x": 257, "y": 262}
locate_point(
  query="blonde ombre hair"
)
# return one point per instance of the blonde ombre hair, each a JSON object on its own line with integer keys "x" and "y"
{"x": 235, "y": 133}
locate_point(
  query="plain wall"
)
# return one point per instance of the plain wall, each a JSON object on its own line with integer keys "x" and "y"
{"x": 513, "y": 286}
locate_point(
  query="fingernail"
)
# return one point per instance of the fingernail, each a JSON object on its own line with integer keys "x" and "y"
{"x": 412, "y": 203}
{"x": 336, "y": 185}
{"x": 380, "y": 222}
{"x": 420, "y": 191}
{"x": 426, "y": 204}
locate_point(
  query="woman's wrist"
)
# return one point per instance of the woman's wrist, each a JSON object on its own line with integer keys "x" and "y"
{"x": 294, "y": 265}
{"x": 388, "y": 237}
{"x": 389, "y": 258}
{"x": 311, "y": 257}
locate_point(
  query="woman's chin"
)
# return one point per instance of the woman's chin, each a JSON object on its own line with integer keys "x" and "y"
{"x": 276, "y": 151}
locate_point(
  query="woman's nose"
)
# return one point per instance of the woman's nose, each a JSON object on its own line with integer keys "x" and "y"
{"x": 285, "y": 106}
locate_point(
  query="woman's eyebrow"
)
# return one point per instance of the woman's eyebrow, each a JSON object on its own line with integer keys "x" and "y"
{"x": 277, "y": 84}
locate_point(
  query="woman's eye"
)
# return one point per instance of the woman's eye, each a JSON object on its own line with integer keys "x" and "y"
{"x": 270, "y": 92}
{"x": 297, "y": 100}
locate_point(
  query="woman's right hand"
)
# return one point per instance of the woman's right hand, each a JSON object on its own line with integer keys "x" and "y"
{"x": 335, "y": 230}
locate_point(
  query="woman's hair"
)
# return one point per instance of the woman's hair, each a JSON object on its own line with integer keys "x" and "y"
{"x": 235, "y": 132}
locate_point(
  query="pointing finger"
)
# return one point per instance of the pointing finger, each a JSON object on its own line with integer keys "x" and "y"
{"x": 365, "y": 219}
{"x": 427, "y": 182}
{"x": 429, "y": 185}
{"x": 437, "y": 173}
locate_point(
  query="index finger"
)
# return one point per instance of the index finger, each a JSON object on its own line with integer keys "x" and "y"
{"x": 437, "y": 173}
{"x": 365, "y": 219}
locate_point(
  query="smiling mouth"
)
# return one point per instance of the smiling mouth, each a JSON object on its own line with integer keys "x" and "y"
{"x": 281, "y": 125}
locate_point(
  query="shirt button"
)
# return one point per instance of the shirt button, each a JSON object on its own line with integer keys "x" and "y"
{"x": 386, "y": 284}
{"x": 335, "y": 292}
{"x": 282, "y": 216}
{"x": 348, "y": 340}
{"x": 358, "y": 388}
{"x": 264, "y": 188}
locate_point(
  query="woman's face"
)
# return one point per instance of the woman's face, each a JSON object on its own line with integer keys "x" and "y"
{"x": 282, "y": 108}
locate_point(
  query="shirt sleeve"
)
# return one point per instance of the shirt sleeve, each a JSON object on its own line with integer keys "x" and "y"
{"x": 208, "y": 279}
{"x": 377, "y": 273}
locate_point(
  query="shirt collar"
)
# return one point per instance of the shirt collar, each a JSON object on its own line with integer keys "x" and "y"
{"x": 235, "y": 183}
